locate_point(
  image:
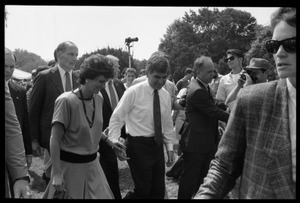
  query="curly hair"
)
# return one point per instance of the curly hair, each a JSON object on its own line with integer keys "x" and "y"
{"x": 94, "y": 66}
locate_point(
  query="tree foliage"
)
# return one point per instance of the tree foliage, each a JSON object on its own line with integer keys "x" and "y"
{"x": 119, "y": 53}
{"x": 208, "y": 32}
{"x": 28, "y": 61}
{"x": 258, "y": 50}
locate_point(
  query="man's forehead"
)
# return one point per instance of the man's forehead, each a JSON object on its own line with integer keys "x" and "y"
{"x": 159, "y": 75}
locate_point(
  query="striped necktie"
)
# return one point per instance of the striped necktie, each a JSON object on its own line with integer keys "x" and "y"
{"x": 113, "y": 98}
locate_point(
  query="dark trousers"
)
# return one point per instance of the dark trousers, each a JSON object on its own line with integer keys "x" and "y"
{"x": 109, "y": 164}
{"x": 147, "y": 167}
{"x": 194, "y": 171}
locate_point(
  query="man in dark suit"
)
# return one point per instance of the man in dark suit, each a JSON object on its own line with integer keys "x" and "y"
{"x": 199, "y": 139}
{"x": 18, "y": 94}
{"x": 48, "y": 85}
{"x": 108, "y": 159}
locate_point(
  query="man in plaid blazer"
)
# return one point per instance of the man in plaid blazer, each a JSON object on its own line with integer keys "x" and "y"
{"x": 259, "y": 143}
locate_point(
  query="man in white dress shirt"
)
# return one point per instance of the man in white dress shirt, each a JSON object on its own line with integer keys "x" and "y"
{"x": 147, "y": 162}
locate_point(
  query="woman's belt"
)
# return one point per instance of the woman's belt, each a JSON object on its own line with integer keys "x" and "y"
{"x": 77, "y": 158}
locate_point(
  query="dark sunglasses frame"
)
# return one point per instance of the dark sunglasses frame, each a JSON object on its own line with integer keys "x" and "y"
{"x": 289, "y": 45}
{"x": 231, "y": 58}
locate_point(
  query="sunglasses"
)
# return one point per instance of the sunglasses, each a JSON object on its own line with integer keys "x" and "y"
{"x": 289, "y": 45}
{"x": 231, "y": 58}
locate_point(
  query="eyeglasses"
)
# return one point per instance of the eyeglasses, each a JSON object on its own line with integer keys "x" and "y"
{"x": 231, "y": 58}
{"x": 289, "y": 45}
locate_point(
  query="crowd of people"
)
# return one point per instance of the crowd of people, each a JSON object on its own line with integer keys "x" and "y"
{"x": 222, "y": 136}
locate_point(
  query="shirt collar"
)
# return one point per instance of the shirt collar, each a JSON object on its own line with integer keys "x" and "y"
{"x": 150, "y": 89}
{"x": 205, "y": 85}
{"x": 291, "y": 90}
{"x": 62, "y": 71}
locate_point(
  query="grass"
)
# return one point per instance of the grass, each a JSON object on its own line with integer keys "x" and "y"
{"x": 37, "y": 185}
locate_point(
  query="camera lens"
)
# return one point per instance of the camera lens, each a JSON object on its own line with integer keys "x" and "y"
{"x": 243, "y": 76}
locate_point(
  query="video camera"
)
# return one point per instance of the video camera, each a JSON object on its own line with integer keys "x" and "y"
{"x": 129, "y": 40}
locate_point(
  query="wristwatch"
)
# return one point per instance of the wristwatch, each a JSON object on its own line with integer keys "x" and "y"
{"x": 23, "y": 178}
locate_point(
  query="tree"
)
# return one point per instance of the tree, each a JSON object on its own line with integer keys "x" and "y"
{"x": 28, "y": 61}
{"x": 258, "y": 50}
{"x": 208, "y": 32}
{"x": 119, "y": 53}
{"x": 139, "y": 64}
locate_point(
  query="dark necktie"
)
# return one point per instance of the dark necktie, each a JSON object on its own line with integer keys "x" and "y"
{"x": 209, "y": 92}
{"x": 113, "y": 99}
{"x": 157, "y": 118}
{"x": 68, "y": 82}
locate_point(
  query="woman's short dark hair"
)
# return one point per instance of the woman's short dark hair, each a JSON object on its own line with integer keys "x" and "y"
{"x": 94, "y": 66}
{"x": 286, "y": 14}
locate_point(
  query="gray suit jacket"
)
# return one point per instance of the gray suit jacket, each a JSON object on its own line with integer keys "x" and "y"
{"x": 15, "y": 160}
{"x": 256, "y": 146}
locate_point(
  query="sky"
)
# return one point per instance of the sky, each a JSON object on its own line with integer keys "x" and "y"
{"x": 39, "y": 29}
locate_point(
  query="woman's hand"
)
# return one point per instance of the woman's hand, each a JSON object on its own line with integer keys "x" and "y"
{"x": 58, "y": 182}
{"x": 119, "y": 149}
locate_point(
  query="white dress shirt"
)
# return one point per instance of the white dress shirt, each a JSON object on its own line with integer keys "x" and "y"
{"x": 136, "y": 110}
{"x": 63, "y": 77}
{"x": 292, "y": 121}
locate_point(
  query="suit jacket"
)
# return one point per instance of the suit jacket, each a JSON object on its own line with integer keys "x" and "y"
{"x": 106, "y": 108}
{"x": 18, "y": 95}
{"x": 46, "y": 88}
{"x": 256, "y": 146}
{"x": 15, "y": 161}
{"x": 199, "y": 133}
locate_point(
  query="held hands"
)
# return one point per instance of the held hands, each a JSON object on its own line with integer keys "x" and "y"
{"x": 119, "y": 149}
{"x": 118, "y": 146}
{"x": 58, "y": 182}
{"x": 171, "y": 158}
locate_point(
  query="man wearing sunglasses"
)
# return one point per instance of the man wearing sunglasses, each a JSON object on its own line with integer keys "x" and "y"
{"x": 256, "y": 72}
{"x": 259, "y": 143}
{"x": 228, "y": 82}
